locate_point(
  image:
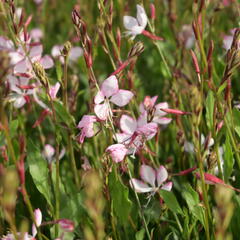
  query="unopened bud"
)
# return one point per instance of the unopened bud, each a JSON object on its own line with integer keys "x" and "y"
{"x": 40, "y": 73}
{"x": 136, "y": 50}
{"x": 66, "y": 225}
{"x": 66, "y": 49}
{"x": 153, "y": 11}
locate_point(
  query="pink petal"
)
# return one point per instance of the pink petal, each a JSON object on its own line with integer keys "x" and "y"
{"x": 38, "y": 216}
{"x": 48, "y": 152}
{"x": 148, "y": 174}
{"x": 15, "y": 57}
{"x": 36, "y": 34}
{"x": 162, "y": 175}
{"x": 149, "y": 130}
{"x": 140, "y": 186}
{"x": 36, "y": 51}
{"x": 99, "y": 98}
{"x": 6, "y": 44}
{"x": 142, "y": 120}
{"x": 46, "y": 62}
{"x": 75, "y": 53}
{"x": 167, "y": 186}
{"x": 21, "y": 67}
{"x": 117, "y": 152}
{"x": 128, "y": 125}
{"x": 162, "y": 120}
{"x": 102, "y": 111}
{"x": 56, "y": 51}
{"x": 86, "y": 120}
{"x": 110, "y": 86}
{"x": 122, "y": 97}
{"x": 54, "y": 90}
{"x": 123, "y": 138}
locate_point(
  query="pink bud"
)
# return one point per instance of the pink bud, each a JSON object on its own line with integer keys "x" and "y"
{"x": 195, "y": 62}
{"x": 151, "y": 36}
{"x": 174, "y": 111}
{"x": 219, "y": 126}
{"x": 38, "y": 216}
{"x": 153, "y": 11}
{"x": 185, "y": 172}
{"x": 66, "y": 224}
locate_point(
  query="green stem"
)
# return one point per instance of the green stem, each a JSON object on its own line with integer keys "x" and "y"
{"x": 140, "y": 209}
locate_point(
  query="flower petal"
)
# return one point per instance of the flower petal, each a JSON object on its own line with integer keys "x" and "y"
{"x": 110, "y": 86}
{"x": 99, "y": 97}
{"x": 54, "y": 90}
{"x": 19, "y": 102}
{"x": 162, "y": 120}
{"x": 139, "y": 186}
{"x": 159, "y": 106}
{"x": 167, "y": 186}
{"x": 141, "y": 16}
{"x": 130, "y": 23}
{"x": 86, "y": 120}
{"x": 122, "y": 97}
{"x": 75, "y": 53}
{"x": 117, "y": 152}
{"x": 162, "y": 175}
{"x": 148, "y": 174}
{"x": 123, "y": 138}
{"x": 149, "y": 130}
{"x": 102, "y": 111}
{"x": 46, "y": 62}
{"x": 36, "y": 51}
{"x": 127, "y": 124}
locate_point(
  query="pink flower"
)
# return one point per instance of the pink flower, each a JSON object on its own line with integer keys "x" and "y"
{"x": 36, "y": 34}
{"x": 137, "y": 25}
{"x": 110, "y": 92}
{"x": 117, "y": 152}
{"x": 74, "y": 55}
{"x": 66, "y": 224}
{"x": 154, "y": 111}
{"x": 135, "y": 133}
{"x": 152, "y": 180}
{"x": 54, "y": 90}
{"x": 20, "y": 95}
{"x": 87, "y": 127}
{"x": 227, "y": 40}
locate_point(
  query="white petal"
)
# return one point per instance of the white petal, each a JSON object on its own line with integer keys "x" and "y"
{"x": 130, "y": 22}
{"x": 15, "y": 57}
{"x": 167, "y": 186}
{"x": 149, "y": 130}
{"x": 75, "y": 53}
{"x": 56, "y": 51}
{"x": 123, "y": 138}
{"x": 38, "y": 216}
{"x": 162, "y": 175}
{"x": 159, "y": 106}
{"x": 46, "y": 62}
{"x": 140, "y": 186}
{"x": 36, "y": 34}
{"x": 48, "y": 152}
{"x": 162, "y": 120}
{"x": 141, "y": 16}
{"x": 127, "y": 124}
{"x": 148, "y": 174}
{"x": 21, "y": 67}
{"x": 86, "y": 120}
{"x": 102, "y": 111}
{"x": 188, "y": 147}
{"x": 99, "y": 97}
{"x": 19, "y": 102}
{"x": 110, "y": 86}
{"x": 122, "y": 97}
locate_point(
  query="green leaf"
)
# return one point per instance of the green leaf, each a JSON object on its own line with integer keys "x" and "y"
{"x": 221, "y": 88}
{"x": 192, "y": 200}
{"x": 228, "y": 159}
{"x": 63, "y": 115}
{"x": 171, "y": 201}
{"x": 39, "y": 171}
{"x": 13, "y": 126}
{"x": 59, "y": 71}
{"x": 140, "y": 234}
{"x": 237, "y": 130}
{"x": 119, "y": 194}
{"x": 210, "y": 109}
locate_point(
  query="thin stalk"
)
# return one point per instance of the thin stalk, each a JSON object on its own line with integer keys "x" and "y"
{"x": 140, "y": 209}
{"x": 69, "y": 139}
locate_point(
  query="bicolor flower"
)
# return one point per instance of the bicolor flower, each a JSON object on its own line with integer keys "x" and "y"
{"x": 110, "y": 92}
{"x": 136, "y": 25}
{"x": 135, "y": 132}
{"x": 154, "y": 111}
{"x": 20, "y": 95}
{"x": 87, "y": 127}
{"x": 151, "y": 180}
{"x": 117, "y": 152}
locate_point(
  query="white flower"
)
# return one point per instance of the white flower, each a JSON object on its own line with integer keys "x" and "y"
{"x": 137, "y": 25}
